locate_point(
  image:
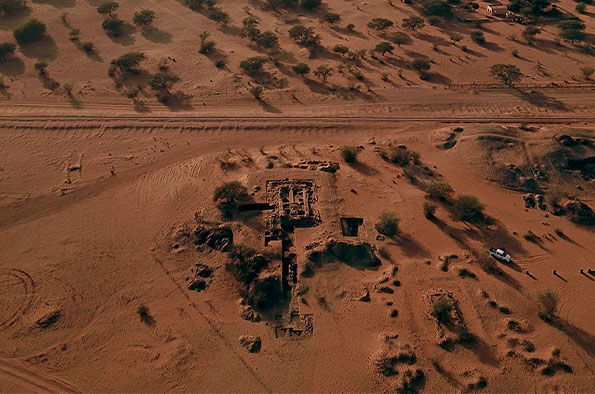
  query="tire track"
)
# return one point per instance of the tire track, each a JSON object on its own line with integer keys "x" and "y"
{"x": 28, "y": 286}
{"x": 33, "y": 381}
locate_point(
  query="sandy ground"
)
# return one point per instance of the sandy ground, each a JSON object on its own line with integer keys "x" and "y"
{"x": 94, "y": 246}
{"x": 92, "y": 187}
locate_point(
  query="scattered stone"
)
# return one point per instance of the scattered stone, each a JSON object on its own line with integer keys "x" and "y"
{"x": 248, "y": 313}
{"x": 251, "y": 343}
{"x": 365, "y": 297}
{"x": 218, "y": 238}
{"x": 394, "y": 313}
{"x": 386, "y": 289}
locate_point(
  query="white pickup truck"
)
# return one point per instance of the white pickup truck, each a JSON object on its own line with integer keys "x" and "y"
{"x": 500, "y": 254}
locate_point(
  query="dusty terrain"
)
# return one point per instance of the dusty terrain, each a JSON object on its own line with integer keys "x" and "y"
{"x": 104, "y": 289}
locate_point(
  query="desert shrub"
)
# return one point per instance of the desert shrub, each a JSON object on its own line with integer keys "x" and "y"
{"x": 267, "y": 39}
{"x": 311, "y": 4}
{"x": 388, "y": 224}
{"x": 468, "y": 209}
{"x": 581, "y": 8}
{"x": 331, "y": 18}
{"x": 145, "y": 315}
{"x": 531, "y": 237}
{"x": 33, "y": 30}
{"x": 220, "y": 63}
{"x": 218, "y": 15}
{"x": 455, "y": 37}
{"x": 144, "y": 18}
{"x": 244, "y": 264}
{"x": 128, "y": 63}
{"x": 530, "y": 32}
{"x": 559, "y": 232}
{"x": 465, "y": 273}
{"x": 108, "y": 8}
{"x": 528, "y": 7}
{"x": 305, "y": 36}
{"x": 487, "y": 263}
{"x": 6, "y": 50}
{"x": 113, "y": 26}
{"x": 350, "y": 27}
{"x": 349, "y": 153}
{"x": 266, "y": 293}
{"x": 441, "y": 309}
{"x": 439, "y": 190}
{"x": 232, "y": 191}
{"x": 413, "y": 22}
{"x": 401, "y": 156}
{"x": 41, "y": 66}
{"x": 11, "y": 7}
{"x": 420, "y": 65}
{"x": 587, "y": 71}
{"x": 437, "y": 8}
{"x": 162, "y": 81}
{"x": 252, "y": 65}
{"x": 341, "y": 49}
{"x": 206, "y": 47}
{"x": 88, "y": 47}
{"x": 508, "y": 74}
{"x": 548, "y": 305}
{"x": 68, "y": 87}
{"x": 301, "y": 69}
{"x": 384, "y": 47}
{"x": 429, "y": 209}
{"x": 380, "y": 24}
{"x": 478, "y": 37}
{"x": 323, "y": 71}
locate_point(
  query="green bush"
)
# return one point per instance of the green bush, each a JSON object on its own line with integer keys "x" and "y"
{"x": 6, "y": 50}
{"x": 33, "y": 30}
{"x": 439, "y": 190}
{"x": 468, "y": 209}
{"x": 301, "y": 69}
{"x": 388, "y": 224}
{"x": 429, "y": 209}
{"x": 144, "y": 18}
{"x": 548, "y": 305}
{"x": 349, "y": 153}
{"x": 113, "y": 26}
{"x": 441, "y": 309}
{"x": 253, "y": 65}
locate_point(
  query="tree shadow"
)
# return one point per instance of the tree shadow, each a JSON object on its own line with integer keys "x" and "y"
{"x": 410, "y": 246}
{"x": 126, "y": 37}
{"x": 11, "y": 22}
{"x": 346, "y": 32}
{"x": 491, "y": 46}
{"x": 56, "y": 3}
{"x": 157, "y": 36}
{"x": 364, "y": 168}
{"x": 316, "y": 87}
{"x": 44, "y": 49}
{"x": 438, "y": 78}
{"x": 579, "y": 336}
{"x": 268, "y": 107}
{"x": 541, "y": 100}
{"x": 11, "y": 67}
{"x": 179, "y": 101}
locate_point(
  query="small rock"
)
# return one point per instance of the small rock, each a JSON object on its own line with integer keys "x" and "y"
{"x": 251, "y": 343}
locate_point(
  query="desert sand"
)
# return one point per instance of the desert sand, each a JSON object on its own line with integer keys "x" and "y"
{"x": 105, "y": 285}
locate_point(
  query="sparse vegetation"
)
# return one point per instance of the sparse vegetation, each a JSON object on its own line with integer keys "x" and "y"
{"x": 508, "y": 74}
{"x": 113, "y": 26}
{"x": 301, "y": 69}
{"x": 380, "y": 24}
{"x": 349, "y": 153}
{"x": 468, "y": 209}
{"x": 478, "y": 37}
{"x": 305, "y": 36}
{"x": 144, "y": 19}
{"x": 413, "y": 22}
{"x": 253, "y": 65}
{"x": 6, "y": 50}
{"x": 429, "y": 209}
{"x": 548, "y": 305}
{"x": 41, "y": 67}
{"x": 441, "y": 309}
{"x": 32, "y": 31}
{"x": 388, "y": 224}
{"x": 488, "y": 264}
{"x": 228, "y": 195}
{"x": 439, "y": 190}
{"x": 323, "y": 72}
{"x": 108, "y": 8}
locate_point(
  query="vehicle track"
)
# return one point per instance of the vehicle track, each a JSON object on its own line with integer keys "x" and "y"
{"x": 292, "y": 119}
{"x": 27, "y": 287}
{"x": 33, "y": 381}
